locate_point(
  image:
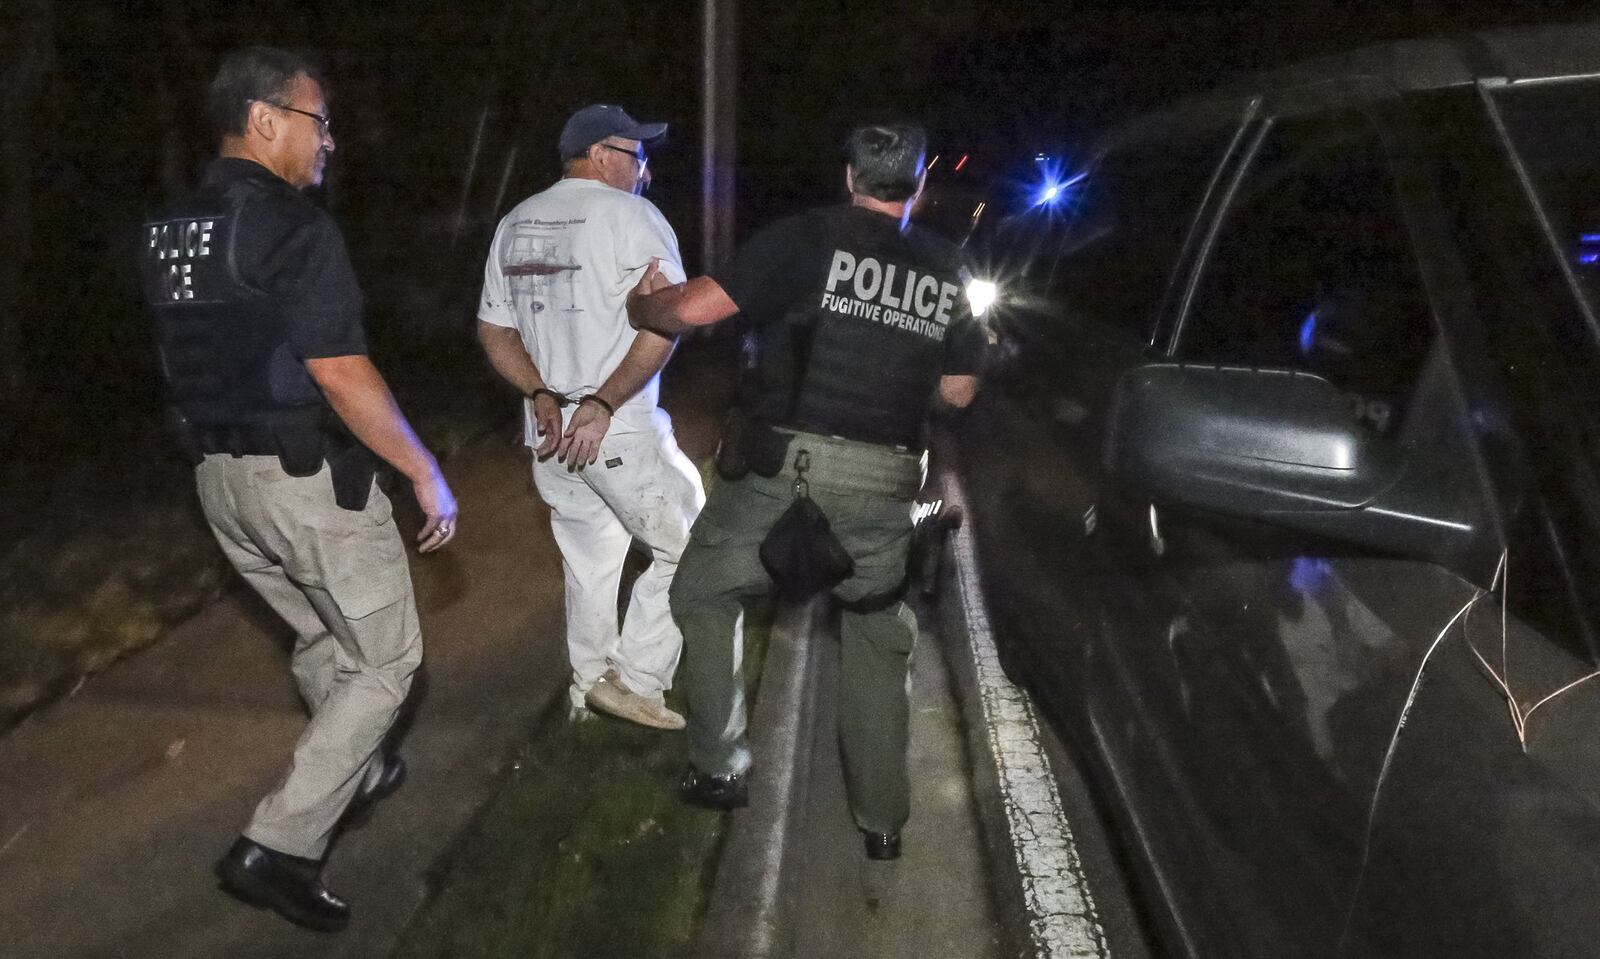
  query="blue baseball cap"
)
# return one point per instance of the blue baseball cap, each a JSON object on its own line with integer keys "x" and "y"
{"x": 600, "y": 120}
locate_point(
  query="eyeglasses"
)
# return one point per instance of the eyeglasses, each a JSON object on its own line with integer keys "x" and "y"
{"x": 637, "y": 155}
{"x": 325, "y": 122}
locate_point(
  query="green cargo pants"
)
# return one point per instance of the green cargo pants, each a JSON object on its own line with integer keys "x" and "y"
{"x": 866, "y": 493}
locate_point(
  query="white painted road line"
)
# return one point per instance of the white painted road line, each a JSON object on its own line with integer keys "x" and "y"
{"x": 1061, "y": 913}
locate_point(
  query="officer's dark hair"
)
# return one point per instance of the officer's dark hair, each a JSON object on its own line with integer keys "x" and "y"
{"x": 249, "y": 74}
{"x": 886, "y": 159}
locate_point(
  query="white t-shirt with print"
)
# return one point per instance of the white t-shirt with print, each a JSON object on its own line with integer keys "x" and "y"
{"x": 559, "y": 271}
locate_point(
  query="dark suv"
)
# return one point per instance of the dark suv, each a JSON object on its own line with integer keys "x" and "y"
{"x": 1287, "y": 495}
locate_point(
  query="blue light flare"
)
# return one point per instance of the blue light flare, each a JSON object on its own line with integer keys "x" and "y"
{"x": 1308, "y": 333}
{"x": 1053, "y": 189}
{"x": 1309, "y": 576}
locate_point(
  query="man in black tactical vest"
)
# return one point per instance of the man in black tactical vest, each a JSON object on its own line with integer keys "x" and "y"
{"x": 258, "y": 323}
{"x": 858, "y": 320}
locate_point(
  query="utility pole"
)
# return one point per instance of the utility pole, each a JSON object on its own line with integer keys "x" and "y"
{"x": 719, "y": 60}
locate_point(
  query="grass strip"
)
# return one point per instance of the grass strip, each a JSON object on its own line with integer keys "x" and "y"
{"x": 73, "y": 599}
{"x": 584, "y": 851}
{"x": 98, "y": 562}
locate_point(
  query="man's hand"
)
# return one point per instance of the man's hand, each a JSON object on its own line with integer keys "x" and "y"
{"x": 652, "y": 280}
{"x": 439, "y": 506}
{"x": 357, "y": 392}
{"x": 580, "y": 445}
{"x": 547, "y": 418}
{"x": 639, "y": 310}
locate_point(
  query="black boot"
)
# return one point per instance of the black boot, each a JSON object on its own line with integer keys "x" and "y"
{"x": 721, "y": 791}
{"x": 286, "y": 884}
{"x": 391, "y": 778}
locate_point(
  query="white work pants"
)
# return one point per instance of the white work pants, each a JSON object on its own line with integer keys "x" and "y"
{"x": 641, "y": 487}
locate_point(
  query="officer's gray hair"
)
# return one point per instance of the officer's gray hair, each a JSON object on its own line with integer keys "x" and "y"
{"x": 886, "y": 160}
{"x": 250, "y": 74}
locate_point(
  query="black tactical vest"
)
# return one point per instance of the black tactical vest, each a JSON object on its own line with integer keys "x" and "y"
{"x": 868, "y": 346}
{"x": 233, "y": 384}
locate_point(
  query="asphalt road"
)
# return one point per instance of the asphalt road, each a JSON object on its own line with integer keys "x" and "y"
{"x": 937, "y": 899}
{"x": 115, "y": 802}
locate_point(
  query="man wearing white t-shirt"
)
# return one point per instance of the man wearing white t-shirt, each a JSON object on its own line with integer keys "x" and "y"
{"x": 553, "y": 321}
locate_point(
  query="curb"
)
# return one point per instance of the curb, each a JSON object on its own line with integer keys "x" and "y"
{"x": 746, "y": 917}
{"x": 1043, "y": 896}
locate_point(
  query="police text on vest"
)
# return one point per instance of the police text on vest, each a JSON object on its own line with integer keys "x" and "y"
{"x": 179, "y": 241}
{"x": 888, "y": 294}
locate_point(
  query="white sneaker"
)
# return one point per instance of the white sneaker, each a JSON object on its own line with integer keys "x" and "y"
{"x": 609, "y": 695}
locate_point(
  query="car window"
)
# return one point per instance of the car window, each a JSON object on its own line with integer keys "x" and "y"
{"x": 1102, "y": 246}
{"x": 1135, "y": 209}
{"x": 1312, "y": 269}
{"x": 1555, "y": 130}
{"x": 1022, "y": 243}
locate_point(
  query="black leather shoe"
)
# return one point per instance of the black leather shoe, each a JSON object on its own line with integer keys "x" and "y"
{"x": 882, "y": 845}
{"x": 715, "y": 790}
{"x": 286, "y": 884}
{"x": 390, "y": 779}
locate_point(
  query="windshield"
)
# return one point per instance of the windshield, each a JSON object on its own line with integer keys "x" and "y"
{"x": 1555, "y": 129}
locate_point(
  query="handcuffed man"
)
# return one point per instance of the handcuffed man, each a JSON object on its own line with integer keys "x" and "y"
{"x": 553, "y": 322}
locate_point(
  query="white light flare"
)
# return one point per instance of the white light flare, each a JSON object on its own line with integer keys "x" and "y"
{"x": 981, "y": 295}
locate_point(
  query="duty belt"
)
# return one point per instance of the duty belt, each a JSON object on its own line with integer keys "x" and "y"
{"x": 849, "y": 466}
{"x": 254, "y": 439}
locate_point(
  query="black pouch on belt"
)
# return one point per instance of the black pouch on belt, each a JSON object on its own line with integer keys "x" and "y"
{"x": 730, "y": 458}
{"x": 765, "y": 449}
{"x": 353, "y": 466}
{"x": 749, "y": 445}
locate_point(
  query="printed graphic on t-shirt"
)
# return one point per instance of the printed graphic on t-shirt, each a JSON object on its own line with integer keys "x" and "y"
{"x": 539, "y": 265}
{"x": 889, "y": 293}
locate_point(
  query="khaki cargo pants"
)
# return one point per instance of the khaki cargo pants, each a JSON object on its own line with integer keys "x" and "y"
{"x": 866, "y": 492}
{"x": 339, "y": 579}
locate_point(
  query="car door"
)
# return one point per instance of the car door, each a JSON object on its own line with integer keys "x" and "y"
{"x": 1083, "y": 277}
{"x": 1082, "y": 272}
{"x": 1268, "y": 666}
{"x": 1482, "y": 835}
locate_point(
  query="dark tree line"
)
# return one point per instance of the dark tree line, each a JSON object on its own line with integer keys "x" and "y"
{"x": 446, "y": 114}
{"x": 27, "y": 57}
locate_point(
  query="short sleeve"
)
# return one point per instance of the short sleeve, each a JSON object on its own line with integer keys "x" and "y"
{"x": 965, "y": 341}
{"x": 647, "y": 235}
{"x": 775, "y": 269}
{"x": 494, "y": 303}
{"x": 322, "y": 303}
{"x": 963, "y": 348}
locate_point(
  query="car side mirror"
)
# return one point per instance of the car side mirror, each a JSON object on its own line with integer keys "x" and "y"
{"x": 1276, "y": 446}
{"x": 1243, "y": 441}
